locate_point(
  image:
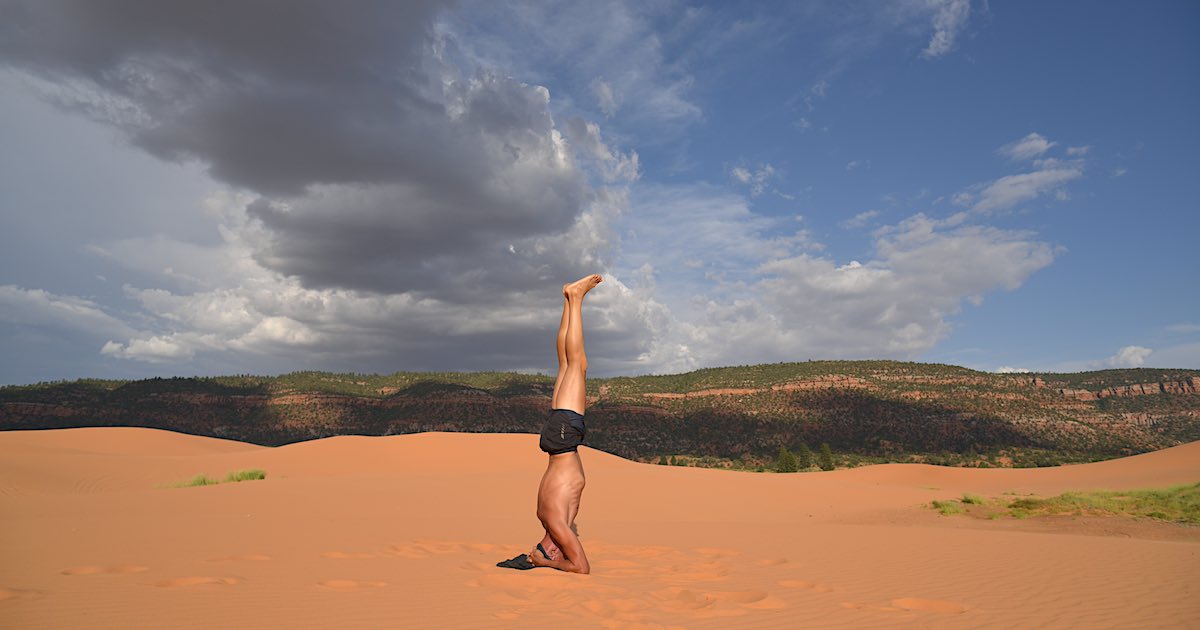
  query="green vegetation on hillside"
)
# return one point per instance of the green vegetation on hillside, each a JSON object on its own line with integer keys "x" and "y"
{"x": 1178, "y": 504}
{"x": 731, "y": 417}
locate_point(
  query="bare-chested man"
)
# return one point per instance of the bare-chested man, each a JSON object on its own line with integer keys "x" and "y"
{"x": 564, "y": 431}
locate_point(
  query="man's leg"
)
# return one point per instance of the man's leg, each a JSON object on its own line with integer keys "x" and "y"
{"x": 572, "y": 392}
{"x": 560, "y": 344}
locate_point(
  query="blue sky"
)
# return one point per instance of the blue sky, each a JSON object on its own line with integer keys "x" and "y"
{"x": 1002, "y": 186}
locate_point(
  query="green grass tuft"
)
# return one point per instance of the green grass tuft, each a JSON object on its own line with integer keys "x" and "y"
{"x": 973, "y": 499}
{"x": 1180, "y": 504}
{"x": 946, "y": 508}
{"x": 198, "y": 480}
{"x": 233, "y": 477}
{"x": 250, "y": 474}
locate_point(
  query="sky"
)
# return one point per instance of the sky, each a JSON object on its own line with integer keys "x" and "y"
{"x": 193, "y": 188}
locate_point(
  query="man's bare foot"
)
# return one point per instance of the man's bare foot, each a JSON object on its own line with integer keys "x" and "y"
{"x": 551, "y": 550}
{"x": 539, "y": 560}
{"x": 580, "y": 287}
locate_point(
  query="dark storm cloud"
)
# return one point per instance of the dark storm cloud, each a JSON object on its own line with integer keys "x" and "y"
{"x": 381, "y": 165}
{"x": 273, "y": 95}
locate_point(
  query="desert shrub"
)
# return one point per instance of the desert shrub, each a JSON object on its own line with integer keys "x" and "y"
{"x": 232, "y": 477}
{"x": 804, "y": 457}
{"x": 250, "y": 474}
{"x": 825, "y": 459}
{"x": 199, "y": 480}
{"x": 786, "y": 462}
{"x": 946, "y": 508}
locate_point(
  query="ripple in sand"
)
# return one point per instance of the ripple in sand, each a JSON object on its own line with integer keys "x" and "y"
{"x": 114, "y": 569}
{"x": 197, "y": 580}
{"x": 716, "y": 552}
{"x": 806, "y": 584}
{"x": 742, "y": 597}
{"x": 350, "y": 585}
{"x": 773, "y": 562}
{"x": 346, "y": 555}
{"x": 16, "y": 594}
{"x": 249, "y": 557}
{"x": 931, "y": 605}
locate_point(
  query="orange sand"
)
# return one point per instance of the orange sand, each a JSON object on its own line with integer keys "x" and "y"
{"x": 404, "y": 531}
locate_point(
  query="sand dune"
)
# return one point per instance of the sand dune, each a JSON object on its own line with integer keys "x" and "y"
{"x": 404, "y": 531}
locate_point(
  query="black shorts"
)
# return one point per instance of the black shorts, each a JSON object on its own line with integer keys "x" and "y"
{"x": 563, "y": 433}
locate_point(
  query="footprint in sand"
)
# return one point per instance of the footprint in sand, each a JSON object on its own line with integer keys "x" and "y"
{"x": 198, "y": 580}
{"x": 113, "y": 569}
{"x": 676, "y": 598}
{"x": 346, "y": 555}
{"x": 806, "y": 584}
{"x": 249, "y": 557}
{"x": 351, "y": 585}
{"x": 438, "y": 546}
{"x": 910, "y": 604}
{"x": 17, "y": 594}
{"x": 423, "y": 549}
{"x": 715, "y": 552}
{"x": 931, "y": 605}
{"x": 404, "y": 551}
{"x": 761, "y": 600}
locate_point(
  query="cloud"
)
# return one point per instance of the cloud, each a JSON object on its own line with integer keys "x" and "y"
{"x": 241, "y": 312}
{"x": 150, "y": 349}
{"x": 1185, "y": 328}
{"x": 604, "y": 97}
{"x": 1119, "y": 171}
{"x": 36, "y": 308}
{"x": 419, "y": 175}
{"x": 1011, "y": 190}
{"x": 1078, "y": 151}
{"x": 613, "y": 166}
{"x": 1127, "y": 357}
{"x": 617, "y": 46}
{"x": 1032, "y": 146}
{"x": 407, "y": 213}
{"x": 862, "y": 219}
{"x": 895, "y": 305}
{"x": 293, "y": 113}
{"x": 1012, "y": 370}
{"x": 949, "y": 19}
{"x": 757, "y": 179}
{"x": 1185, "y": 356}
{"x": 762, "y": 292}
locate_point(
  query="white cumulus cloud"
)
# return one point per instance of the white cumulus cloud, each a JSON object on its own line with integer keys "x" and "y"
{"x": 949, "y": 19}
{"x": 1127, "y": 357}
{"x": 1011, "y": 190}
{"x": 1032, "y": 146}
